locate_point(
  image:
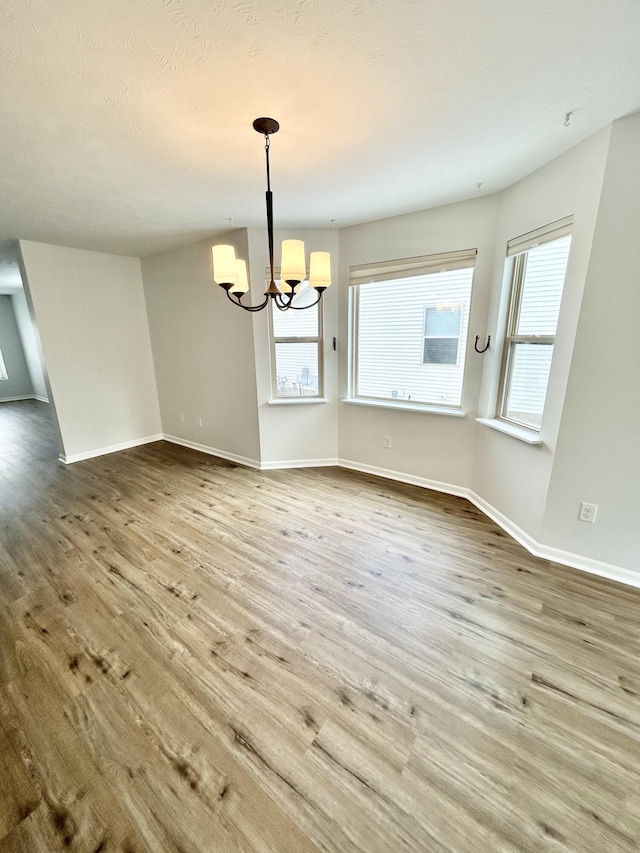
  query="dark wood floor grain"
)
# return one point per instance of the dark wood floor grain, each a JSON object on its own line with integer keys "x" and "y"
{"x": 197, "y": 656}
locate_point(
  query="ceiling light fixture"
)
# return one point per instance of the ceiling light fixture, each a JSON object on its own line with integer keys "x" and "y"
{"x": 231, "y": 273}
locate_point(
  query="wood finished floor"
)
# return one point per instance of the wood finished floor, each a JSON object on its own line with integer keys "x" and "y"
{"x": 199, "y": 657}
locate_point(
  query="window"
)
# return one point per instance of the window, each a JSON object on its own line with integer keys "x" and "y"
{"x": 409, "y": 323}
{"x": 442, "y": 327}
{"x": 539, "y": 263}
{"x": 296, "y": 347}
{"x": 3, "y": 369}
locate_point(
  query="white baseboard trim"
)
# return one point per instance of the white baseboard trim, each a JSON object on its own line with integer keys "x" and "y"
{"x": 23, "y": 397}
{"x": 538, "y": 549}
{"x": 410, "y": 479}
{"x": 300, "y": 463}
{"x": 556, "y": 555}
{"x": 103, "y": 451}
{"x": 212, "y": 451}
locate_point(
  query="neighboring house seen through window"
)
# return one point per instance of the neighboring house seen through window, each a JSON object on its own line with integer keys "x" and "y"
{"x": 442, "y": 327}
{"x": 409, "y": 324}
{"x": 539, "y": 264}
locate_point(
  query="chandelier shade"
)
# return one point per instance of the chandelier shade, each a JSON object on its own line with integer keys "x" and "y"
{"x": 231, "y": 273}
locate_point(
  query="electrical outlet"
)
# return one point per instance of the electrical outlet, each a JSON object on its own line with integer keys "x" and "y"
{"x": 181, "y": 417}
{"x": 200, "y": 422}
{"x": 388, "y": 442}
{"x": 588, "y": 512}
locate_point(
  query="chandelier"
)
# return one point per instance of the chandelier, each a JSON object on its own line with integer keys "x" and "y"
{"x": 231, "y": 273}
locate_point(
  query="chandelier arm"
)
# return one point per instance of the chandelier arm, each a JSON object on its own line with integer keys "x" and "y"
{"x": 310, "y": 305}
{"x": 237, "y": 301}
{"x": 283, "y": 302}
{"x": 286, "y": 301}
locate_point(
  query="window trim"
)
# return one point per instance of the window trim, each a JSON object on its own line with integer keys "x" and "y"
{"x": 517, "y": 252}
{"x": 3, "y": 369}
{"x": 393, "y": 271}
{"x": 307, "y": 339}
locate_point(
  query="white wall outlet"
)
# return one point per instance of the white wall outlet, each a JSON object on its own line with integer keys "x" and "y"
{"x": 181, "y": 417}
{"x": 588, "y": 512}
{"x": 388, "y": 441}
{"x": 200, "y": 421}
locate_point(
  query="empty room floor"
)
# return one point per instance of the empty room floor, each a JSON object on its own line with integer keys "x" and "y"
{"x": 196, "y": 656}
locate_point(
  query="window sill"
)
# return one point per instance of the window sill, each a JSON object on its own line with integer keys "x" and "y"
{"x": 409, "y": 407}
{"x": 522, "y": 434}
{"x": 296, "y": 401}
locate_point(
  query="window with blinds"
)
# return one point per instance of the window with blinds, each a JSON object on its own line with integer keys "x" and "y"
{"x": 409, "y": 329}
{"x": 539, "y": 262}
{"x": 296, "y": 347}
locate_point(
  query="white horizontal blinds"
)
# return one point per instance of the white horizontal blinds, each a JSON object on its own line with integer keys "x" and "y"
{"x": 424, "y": 265}
{"x": 391, "y": 338}
{"x": 529, "y": 369}
{"x": 559, "y": 228}
{"x": 542, "y": 285}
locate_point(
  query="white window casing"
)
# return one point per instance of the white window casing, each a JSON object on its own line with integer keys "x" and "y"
{"x": 296, "y": 349}
{"x": 409, "y": 328}
{"x": 539, "y": 262}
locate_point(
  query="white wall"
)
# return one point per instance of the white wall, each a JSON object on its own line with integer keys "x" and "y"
{"x": 90, "y": 312}
{"x": 301, "y": 432}
{"x": 598, "y": 450}
{"x": 429, "y": 446}
{"x": 28, "y": 335}
{"x": 203, "y": 351}
{"x": 510, "y": 475}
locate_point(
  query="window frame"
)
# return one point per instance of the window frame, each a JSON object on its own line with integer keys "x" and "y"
{"x": 396, "y": 270}
{"x": 3, "y": 369}
{"x": 295, "y": 339}
{"x": 517, "y": 255}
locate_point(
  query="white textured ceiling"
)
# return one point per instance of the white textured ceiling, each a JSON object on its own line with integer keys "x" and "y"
{"x": 126, "y": 126}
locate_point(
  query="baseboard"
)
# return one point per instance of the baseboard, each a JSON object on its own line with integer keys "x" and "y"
{"x": 410, "y": 479}
{"x": 556, "y": 555}
{"x": 538, "y": 549}
{"x": 300, "y": 463}
{"x": 23, "y": 397}
{"x": 212, "y": 451}
{"x": 103, "y": 451}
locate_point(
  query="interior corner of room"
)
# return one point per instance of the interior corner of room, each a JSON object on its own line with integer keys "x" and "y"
{"x": 188, "y": 368}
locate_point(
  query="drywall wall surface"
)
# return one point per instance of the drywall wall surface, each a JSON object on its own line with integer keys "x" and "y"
{"x": 90, "y": 313}
{"x": 295, "y": 432}
{"x": 202, "y": 350}
{"x": 425, "y": 445}
{"x": 18, "y": 382}
{"x": 28, "y": 336}
{"x": 510, "y": 475}
{"x": 598, "y": 452}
